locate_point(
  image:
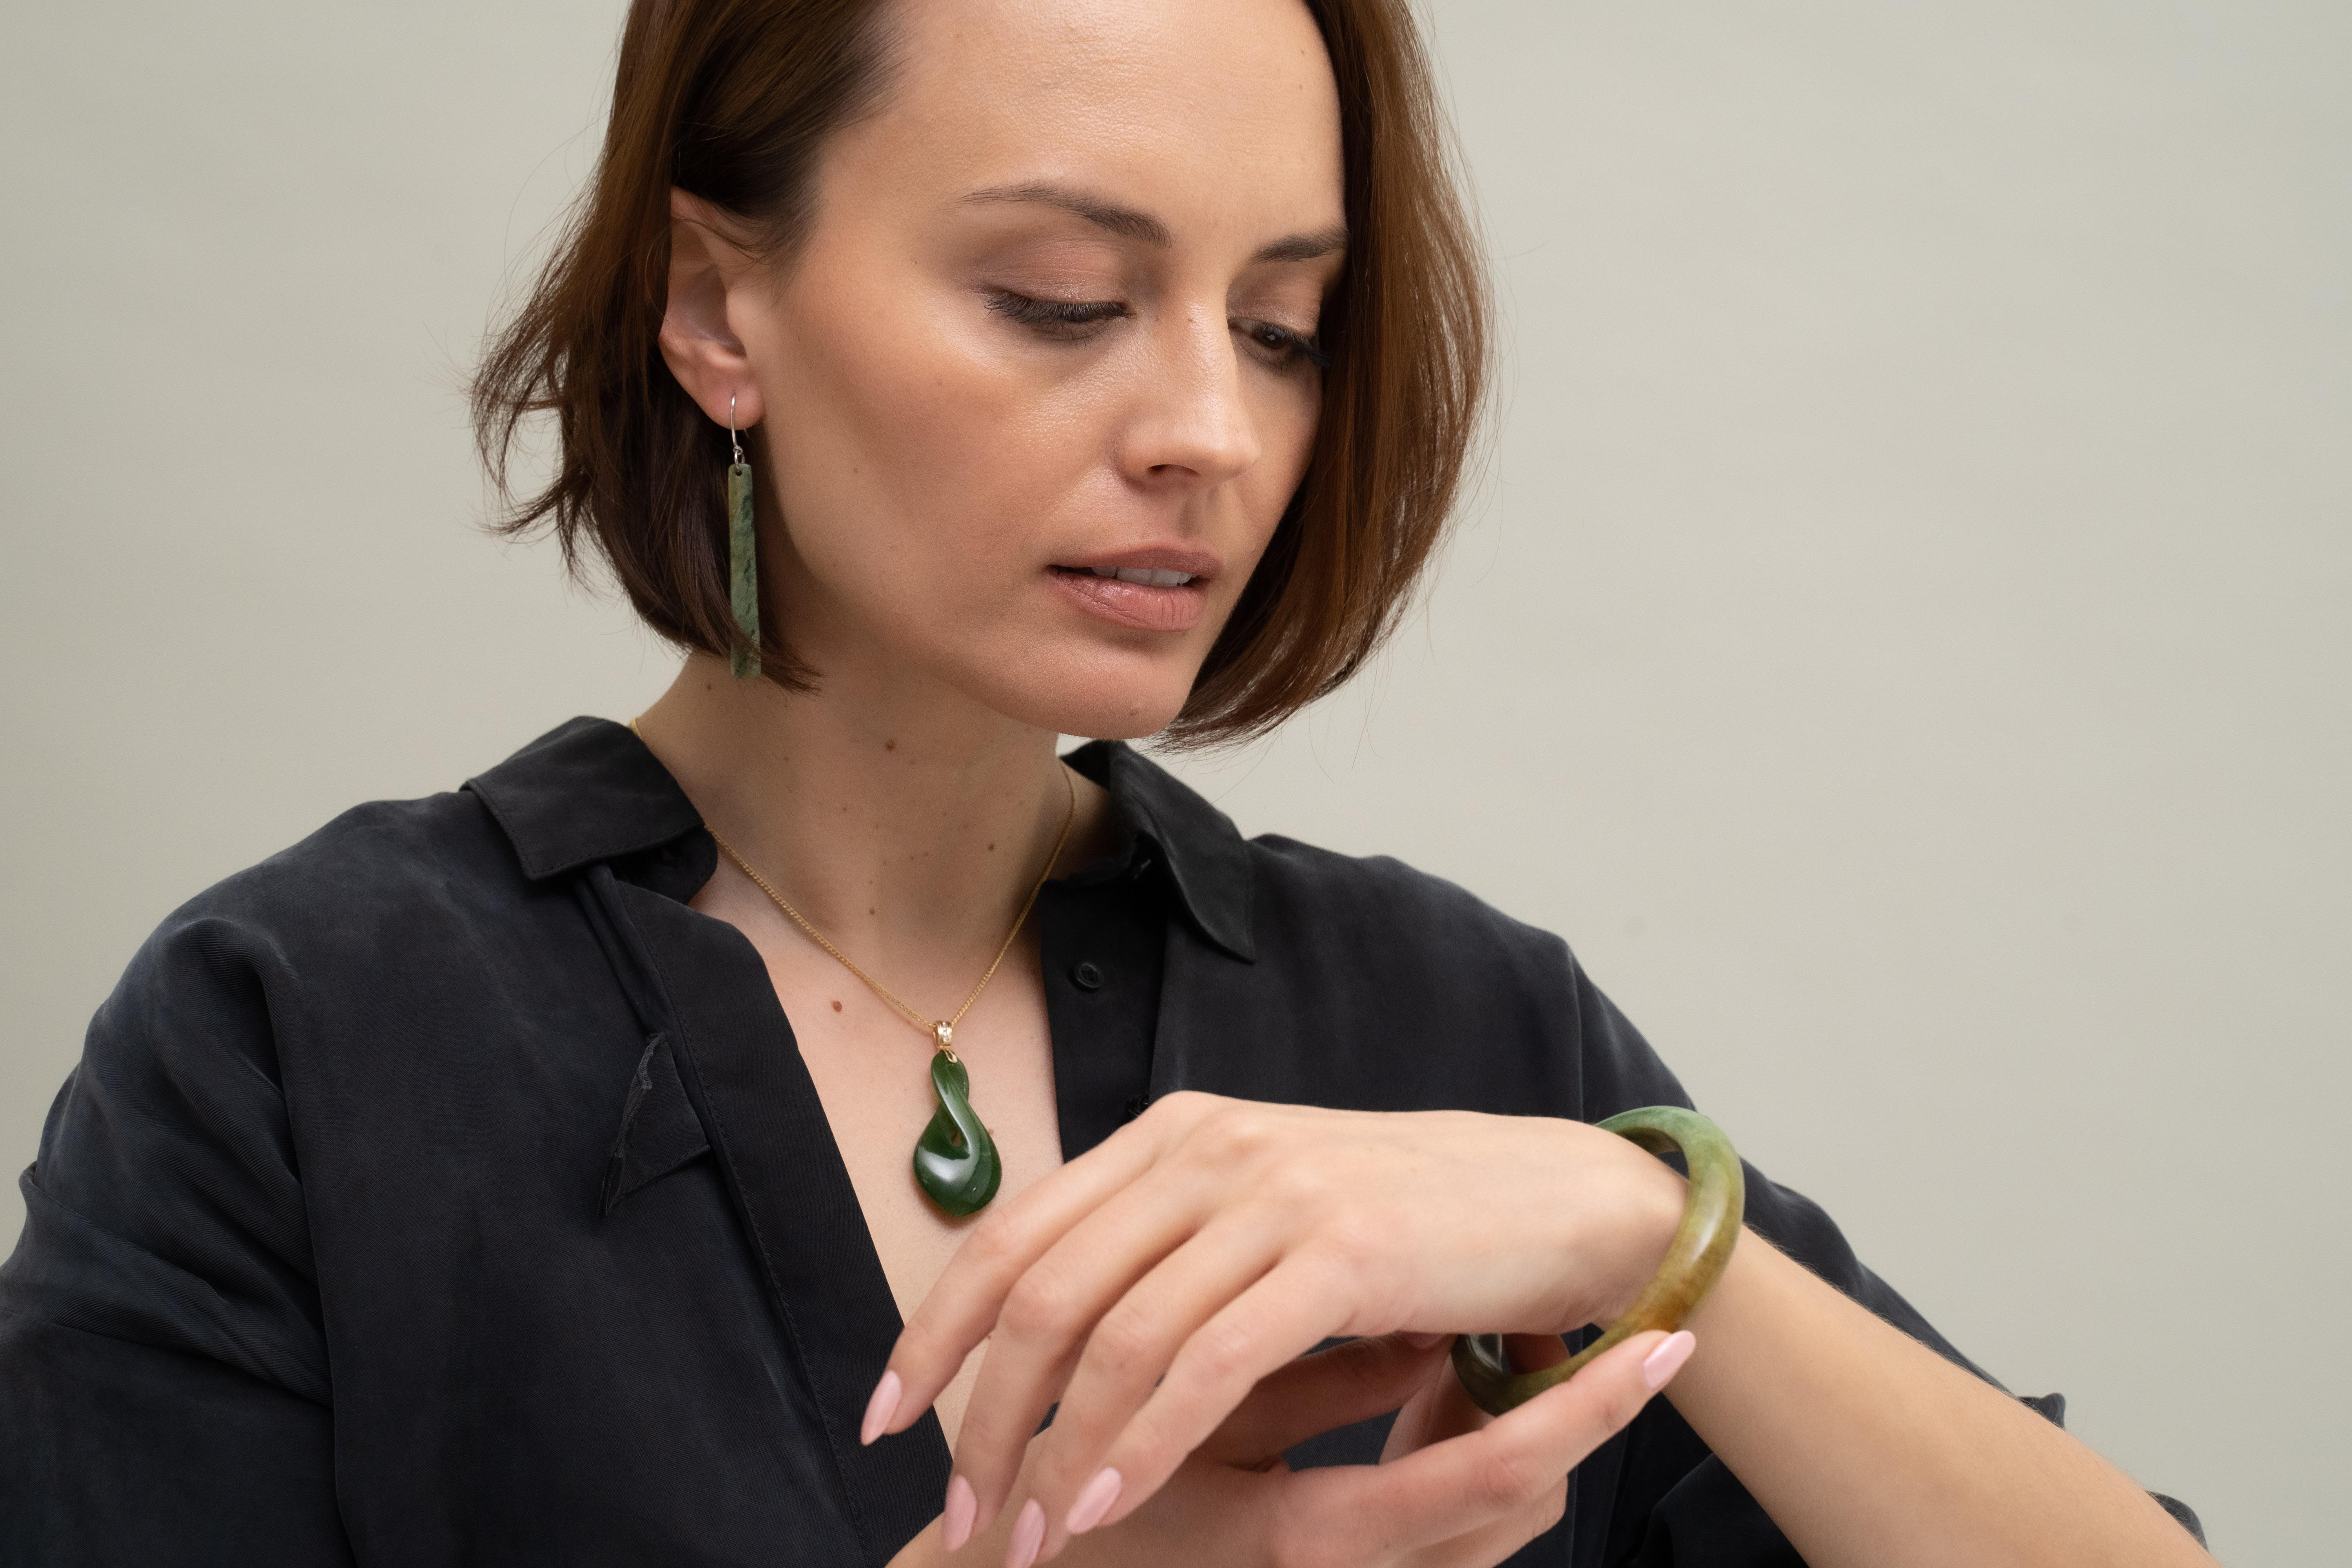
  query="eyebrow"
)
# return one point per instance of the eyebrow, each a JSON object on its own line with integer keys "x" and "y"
{"x": 1129, "y": 223}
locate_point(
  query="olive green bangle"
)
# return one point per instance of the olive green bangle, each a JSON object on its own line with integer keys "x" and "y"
{"x": 1694, "y": 1262}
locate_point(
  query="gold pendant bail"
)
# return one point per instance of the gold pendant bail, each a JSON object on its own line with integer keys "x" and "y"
{"x": 943, "y": 1033}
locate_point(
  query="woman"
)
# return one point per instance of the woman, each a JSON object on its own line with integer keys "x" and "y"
{"x": 524, "y": 1173}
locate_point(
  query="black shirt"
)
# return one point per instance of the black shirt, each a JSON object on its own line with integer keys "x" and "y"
{"x": 444, "y": 1189}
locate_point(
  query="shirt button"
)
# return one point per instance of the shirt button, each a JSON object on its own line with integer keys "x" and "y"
{"x": 1088, "y": 977}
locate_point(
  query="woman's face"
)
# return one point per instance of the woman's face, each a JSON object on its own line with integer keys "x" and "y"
{"x": 1053, "y": 320}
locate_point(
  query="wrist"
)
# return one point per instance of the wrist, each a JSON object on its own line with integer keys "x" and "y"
{"x": 1650, "y": 1210}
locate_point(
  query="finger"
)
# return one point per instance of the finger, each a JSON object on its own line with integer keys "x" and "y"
{"x": 1448, "y": 1410}
{"x": 1315, "y": 1393}
{"x": 1441, "y": 1410}
{"x": 971, "y": 1524}
{"x": 1427, "y": 1416}
{"x": 962, "y": 1306}
{"x": 1291, "y": 1309}
{"x": 1471, "y": 1482}
{"x": 1494, "y": 1542}
{"x": 1084, "y": 1299}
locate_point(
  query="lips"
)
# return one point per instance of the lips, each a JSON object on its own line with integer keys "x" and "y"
{"x": 1144, "y": 590}
{"x": 1149, "y": 558}
{"x": 1147, "y": 576}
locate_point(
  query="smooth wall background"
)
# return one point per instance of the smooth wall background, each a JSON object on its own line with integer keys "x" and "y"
{"x": 1901, "y": 639}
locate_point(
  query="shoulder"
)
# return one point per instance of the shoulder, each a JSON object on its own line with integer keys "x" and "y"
{"x": 166, "y": 1206}
{"x": 363, "y": 877}
{"x": 335, "y": 939}
{"x": 376, "y": 848}
{"x": 397, "y": 939}
{"x": 1373, "y": 984}
{"x": 1377, "y": 906}
{"x": 404, "y": 870}
{"x": 1312, "y": 956}
{"x": 401, "y": 905}
{"x": 1443, "y": 997}
{"x": 1274, "y": 899}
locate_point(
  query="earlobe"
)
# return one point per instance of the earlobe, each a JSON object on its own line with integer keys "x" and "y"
{"x": 697, "y": 340}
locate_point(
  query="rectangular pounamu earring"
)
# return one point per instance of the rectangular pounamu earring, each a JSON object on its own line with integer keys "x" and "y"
{"x": 742, "y": 557}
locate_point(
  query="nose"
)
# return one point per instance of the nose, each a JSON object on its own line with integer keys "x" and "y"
{"x": 1192, "y": 428}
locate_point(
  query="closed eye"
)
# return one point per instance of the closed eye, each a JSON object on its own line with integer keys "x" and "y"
{"x": 1065, "y": 318}
{"x": 1070, "y": 321}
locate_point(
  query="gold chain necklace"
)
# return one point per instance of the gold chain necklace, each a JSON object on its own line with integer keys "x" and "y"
{"x": 956, "y": 1161}
{"x": 941, "y": 1030}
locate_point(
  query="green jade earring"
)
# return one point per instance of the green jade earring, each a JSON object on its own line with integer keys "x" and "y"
{"x": 742, "y": 557}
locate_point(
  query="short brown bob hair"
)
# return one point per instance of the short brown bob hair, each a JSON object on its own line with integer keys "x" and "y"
{"x": 729, "y": 100}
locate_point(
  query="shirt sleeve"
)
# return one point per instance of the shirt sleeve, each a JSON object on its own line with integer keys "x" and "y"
{"x": 1671, "y": 1502}
{"x": 164, "y": 1383}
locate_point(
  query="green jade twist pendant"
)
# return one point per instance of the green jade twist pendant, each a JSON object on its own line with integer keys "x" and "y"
{"x": 956, "y": 1162}
{"x": 1695, "y": 1260}
{"x": 955, "y": 1159}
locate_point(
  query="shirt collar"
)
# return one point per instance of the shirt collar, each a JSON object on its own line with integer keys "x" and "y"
{"x": 1208, "y": 860}
{"x": 589, "y": 790}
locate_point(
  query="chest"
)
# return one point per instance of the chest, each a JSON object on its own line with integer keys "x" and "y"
{"x": 871, "y": 1070}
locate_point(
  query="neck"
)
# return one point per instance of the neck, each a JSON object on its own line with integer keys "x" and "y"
{"x": 905, "y": 821}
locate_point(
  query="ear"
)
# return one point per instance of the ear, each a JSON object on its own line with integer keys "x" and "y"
{"x": 708, "y": 266}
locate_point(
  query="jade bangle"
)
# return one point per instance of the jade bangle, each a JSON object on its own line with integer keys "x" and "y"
{"x": 1695, "y": 1260}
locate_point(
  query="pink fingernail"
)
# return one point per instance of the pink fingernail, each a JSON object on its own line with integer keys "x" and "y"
{"x": 1028, "y": 1534}
{"x": 1667, "y": 1360}
{"x": 880, "y": 1409}
{"x": 955, "y": 1522}
{"x": 1094, "y": 1501}
{"x": 1421, "y": 1341}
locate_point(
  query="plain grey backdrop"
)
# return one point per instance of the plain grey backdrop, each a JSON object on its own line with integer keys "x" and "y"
{"x": 1900, "y": 637}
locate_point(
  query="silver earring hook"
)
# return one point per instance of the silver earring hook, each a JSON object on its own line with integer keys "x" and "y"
{"x": 730, "y": 429}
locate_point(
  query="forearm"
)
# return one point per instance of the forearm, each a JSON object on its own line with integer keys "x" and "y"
{"x": 1867, "y": 1448}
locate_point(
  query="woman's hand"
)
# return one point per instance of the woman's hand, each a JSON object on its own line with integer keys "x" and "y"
{"x": 1153, "y": 1282}
{"x": 1455, "y": 1489}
